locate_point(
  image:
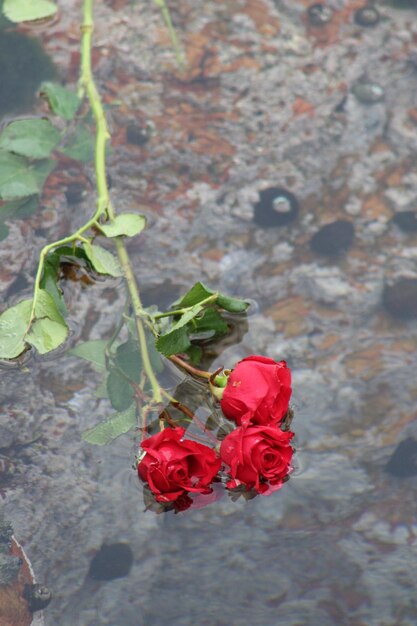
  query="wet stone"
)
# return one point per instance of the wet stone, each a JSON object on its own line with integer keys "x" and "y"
{"x": 403, "y": 461}
{"x": 75, "y": 193}
{"x": 368, "y": 92}
{"x": 333, "y": 239}
{"x": 137, "y": 135}
{"x": 37, "y": 596}
{"x": 366, "y": 16}
{"x": 319, "y": 14}
{"x": 23, "y": 66}
{"x": 406, "y": 221}
{"x": 400, "y": 298}
{"x": 111, "y": 561}
{"x": 276, "y": 207}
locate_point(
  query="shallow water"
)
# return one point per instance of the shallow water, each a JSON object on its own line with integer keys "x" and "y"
{"x": 268, "y": 101}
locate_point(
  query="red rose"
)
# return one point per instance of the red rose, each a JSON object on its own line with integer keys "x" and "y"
{"x": 257, "y": 455}
{"x": 173, "y": 466}
{"x": 258, "y": 391}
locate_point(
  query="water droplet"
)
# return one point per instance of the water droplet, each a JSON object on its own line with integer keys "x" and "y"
{"x": 319, "y": 14}
{"x": 400, "y": 298}
{"x": 276, "y": 207}
{"x": 333, "y": 239}
{"x": 368, "y": 92}
{"x": 367, "y": 16}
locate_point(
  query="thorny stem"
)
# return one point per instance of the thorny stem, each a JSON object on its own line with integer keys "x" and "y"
{"x": 186, "y": 411}
{"x": 104, "y": 206}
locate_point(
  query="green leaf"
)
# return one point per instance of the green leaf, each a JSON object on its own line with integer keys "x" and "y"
{"x": 46, "y": 335}
{"x": 31, "y": 138}
{"x": 210, "y": 321}
{"x": 129, "y": 360}
{"x": 62, "y": 101}
{"x": 103, "y": 261}
{"x": 41, "y": 170}
{"x": 176, "y": 339}
{"x": 200, "y": 292}
{"x": 16, "y": 178}
{"x": 49, "y": 281}
{"x": 196, "y": 294}
{"x": 120, "y": 391}
{"x": 129, "y": 224}
{"x": 195, "y": 353}
{"x": 13, "y": 326}
{"x": 80, "y": 145}
{"x": 117, "y": 425}
{"x": 232, "y": 305}
{"x": 27, "y": 10}
{"x": 49, "y": 329}
{"x": 93, "y": 351}
{"x": 46, "y": 307}
{"x": 174, "y": 342}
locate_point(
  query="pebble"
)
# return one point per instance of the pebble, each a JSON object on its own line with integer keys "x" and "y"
{"x": 111, "y": 561}
{"x": 400, "y": 298}
{"x": 319, "y": 14}
{"x": 406, "y": 221}
{"x": 366, "y": 16}
{"x": 75, "y": 193}
{"x": 275, "y": 207}
{"x": 333, "y": 239}
{"x": 368, "y": 92}
{"x": 137, "y": 134}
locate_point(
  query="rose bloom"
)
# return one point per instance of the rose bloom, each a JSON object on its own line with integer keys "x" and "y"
{"x": 257, "y": 455}
{"x": 258, "y": 391}
{"x": 173, "y": 467}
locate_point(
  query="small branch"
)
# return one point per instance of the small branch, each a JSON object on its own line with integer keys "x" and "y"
{"x": 189, "y": 368}
{"x": 208, "y": 300}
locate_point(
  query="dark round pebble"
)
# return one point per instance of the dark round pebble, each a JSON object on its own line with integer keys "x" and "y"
{"x": 400, "y": 298}
{"x": 276, "y": 207}
{"x": 367, "y": 16}
{"x": 75, "y": 193}
{"x": 111, "y": 561}
{"x": 406, "y": 221}
{"x": 403, "y": 461}
{"x": 333, "y": 239}
{"x": 319, "y": 14}
{"x": 37, "y": 596}
{"x": 137, "y": 135}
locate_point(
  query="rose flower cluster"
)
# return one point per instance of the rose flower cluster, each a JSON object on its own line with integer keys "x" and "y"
{"x": 256, "y": 455}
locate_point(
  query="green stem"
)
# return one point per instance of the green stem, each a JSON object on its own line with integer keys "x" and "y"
{"x": 204, "y": 302}
{"x": 103, "y": 200}
{"x": 174, "y": 40}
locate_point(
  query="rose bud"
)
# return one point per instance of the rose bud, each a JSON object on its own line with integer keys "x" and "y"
{"x": 172, "y": 466}
{"x": 257, "y": 455}
{"x": 258, "y": 391}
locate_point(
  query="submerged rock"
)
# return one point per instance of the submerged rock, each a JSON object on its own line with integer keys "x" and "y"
{"x": 23, "y": 66}
{"x": 37, "y": 596}
{"x": 406, "y": 221}
{"x": 366, "y": 16}
{"x": 276, "y": 207}
{"x": 400, "y": 298}
{"x": 403, "y": 461}
{"x": 111, "y": 561}
{"x": 319, "y": 14}
{"x": 333, "y": 239}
